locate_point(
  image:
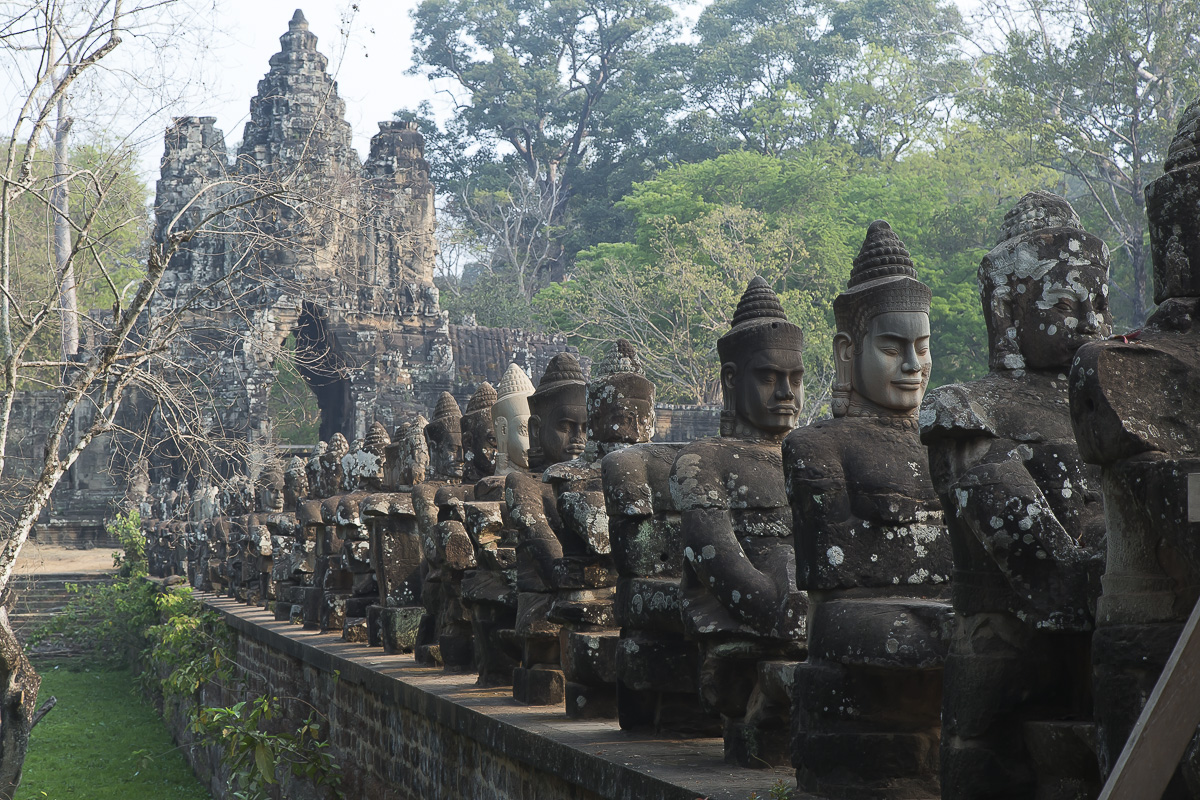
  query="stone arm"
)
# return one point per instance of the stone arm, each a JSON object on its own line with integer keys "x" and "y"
{"x": 532, "y": 513}
{"x": 1010, "y": 517}
{"x": 752, "y": 596}
{"x": 822, "y": 514}
{"x": 995, "y": 498}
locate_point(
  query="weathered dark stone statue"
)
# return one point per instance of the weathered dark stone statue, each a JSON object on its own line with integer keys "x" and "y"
{"x": 870, "y": 547}
{"x": 443, "y": 438}
{"x": 1027, "y": 526}
{"x": 620, "y": 413}
{"x": 479, "y": 436}
{"x": 532, "y": 511}
{"x": 510, "y": 417}
{"x": 657, "y": 667}
{"x": 739, "y": 597}
{"x": 1135, "y": 406}
{"x": 446, "y": 547}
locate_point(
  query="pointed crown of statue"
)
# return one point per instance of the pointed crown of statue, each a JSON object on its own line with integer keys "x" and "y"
{"x": 483, "y": 399}
{"x": 514, "y": 382}
{"x": 563, "y": 374}
{"x": 1185, "y": 147}
{"x": 338, "y": 446}
{"x": 883, "y": 279}
{"x": 446, "y": 413}
{"x": 1173, "y": 213}
{"x": 1036, "y": 211}
{"x": 621, "y": 370}
{"x": 759, "y": 323}
{"x": 377, "y": 439}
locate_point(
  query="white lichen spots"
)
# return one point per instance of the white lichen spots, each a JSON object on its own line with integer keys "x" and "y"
{"x": 1025, "y": 523}
{"x": 893, "y": 646}
{"x": 1040, "y": 553}
{"x": 1071, "y": 323}
{"x": 874, "y": 557}
{"x": 961, "y": 496}
{"x": 835, "y": 555}
{"x": 735, "y": 596}
{"x": 996, "y": 523}
{"x": 1053, "y": 329}
{"x": 919, "y": 576}
{"x": 708, "y": 551}
{"x": 689, "y": 554}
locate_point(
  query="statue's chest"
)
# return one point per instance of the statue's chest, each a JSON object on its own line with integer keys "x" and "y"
{"x": 888, "y": 481}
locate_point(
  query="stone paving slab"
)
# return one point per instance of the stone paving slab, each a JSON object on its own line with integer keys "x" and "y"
{"x": 596, "y": 752}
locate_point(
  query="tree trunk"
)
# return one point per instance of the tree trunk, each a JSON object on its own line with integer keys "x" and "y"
{"x": 64, "y": 271}
{"x": 17, "y": 708}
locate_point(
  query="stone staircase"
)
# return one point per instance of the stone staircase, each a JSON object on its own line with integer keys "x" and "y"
{"x": 40, "y": 597}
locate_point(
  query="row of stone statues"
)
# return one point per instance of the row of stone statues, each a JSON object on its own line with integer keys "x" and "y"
{"x": 969, "y": 593}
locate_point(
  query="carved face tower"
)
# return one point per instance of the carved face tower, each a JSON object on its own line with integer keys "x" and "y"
{"x": 761, "y": 367}
{"x": 478, "y": 435}
{"x": 1044, "y": 286}
{"x": 556, "y": 427}
{"x": 510, "y": 418}
{"x": 881, "y": 350}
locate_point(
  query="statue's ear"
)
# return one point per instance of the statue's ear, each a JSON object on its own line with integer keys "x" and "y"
{"x": 843, "y": 359}
{"x": 535, "y": 432}
{"x": 728, "y": 375}
{"x": 500, "y": 425}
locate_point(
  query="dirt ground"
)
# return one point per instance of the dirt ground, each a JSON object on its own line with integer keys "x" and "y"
{"x": 38, "y": 559}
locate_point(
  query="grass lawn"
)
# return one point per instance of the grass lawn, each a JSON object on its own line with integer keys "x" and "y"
{"x": 103, "y": 741}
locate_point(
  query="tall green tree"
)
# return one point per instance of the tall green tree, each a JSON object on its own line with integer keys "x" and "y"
{"x": 533, "y": 78}
{"x": 1094, "y": 88}
{"x": 881, "y": 76}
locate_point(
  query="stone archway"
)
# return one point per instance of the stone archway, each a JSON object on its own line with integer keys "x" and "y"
{"x": 320, "y": 362}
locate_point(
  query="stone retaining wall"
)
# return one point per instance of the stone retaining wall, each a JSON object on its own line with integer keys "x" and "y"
{"x": 401, "y": 731}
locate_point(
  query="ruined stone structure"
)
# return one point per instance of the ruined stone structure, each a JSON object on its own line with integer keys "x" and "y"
{"x": 339, "y": 255}
{"x": 1027, "y": 522}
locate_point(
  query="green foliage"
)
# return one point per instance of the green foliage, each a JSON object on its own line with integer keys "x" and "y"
{"x": 183, "y": 648}
{"x": 780, "y": 790}
{"x": 131, "y": 558}
{"x": 102, "y": 741}
{"x": 108, "y": 621}
{"x": 255, "y": 755}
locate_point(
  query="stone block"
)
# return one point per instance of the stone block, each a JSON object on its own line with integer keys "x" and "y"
{"x": 354, "y": 630}
{"x": 589, "y": 701}
{"x": 398, "y": 629}
{"x": 539, "y": 686}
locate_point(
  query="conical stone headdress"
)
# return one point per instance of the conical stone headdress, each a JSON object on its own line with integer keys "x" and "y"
{"x": 883, "y": 279}
{"x": 446, "y": 413}
{"x": 513, "y": 382}
{"x": 377, "y": 439}
{"x": 483, "y": 399}
{"x": 563, "y": 375}
{"x": 759, "y": 323}
{"x": 1036, "y": 211}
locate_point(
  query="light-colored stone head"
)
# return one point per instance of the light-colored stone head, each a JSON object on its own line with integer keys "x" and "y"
{"x": 510, "y": 419}
{"x": 558, "y": 421}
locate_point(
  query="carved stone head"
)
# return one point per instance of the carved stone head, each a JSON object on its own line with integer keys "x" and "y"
{"x": 270, "y": 487}
{"x": 620, "y": 398}
{"x": 761, "y": 367}
{"x": 1044, "y": 286}
{"x": 510, "y": 418}
{"x": 881, "y": 350}
{"x": 443, "y": 436}
{"x": 478, "y": 435}
{"x": 295, "y": 484}
{"x": 558, "y": 413}
{"x": 1173, "y": 213}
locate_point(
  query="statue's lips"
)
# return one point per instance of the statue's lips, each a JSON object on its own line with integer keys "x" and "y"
{"x": 784, "y": 410}
{"x": 907, "y": 384}
{"x": 574, "y": 449}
